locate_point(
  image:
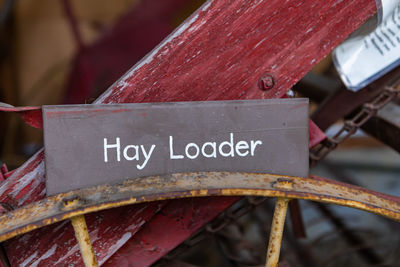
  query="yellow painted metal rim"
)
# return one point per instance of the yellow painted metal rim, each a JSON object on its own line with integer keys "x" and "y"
{"x": 66, "y": 205}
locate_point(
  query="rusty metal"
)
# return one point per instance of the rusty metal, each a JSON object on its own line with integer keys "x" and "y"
{"x": 228, "y": 217}
{"x": 267, "y": 82}
{"x": 350, "y": 126}
{"x": 364, "y": 250}
{"x": 275, "y": 237}
{"x": 297, "y": 221}
{"x": 82, "y": 235}
{"x": 342, "y": 101}
{"x": 66, "y": 205}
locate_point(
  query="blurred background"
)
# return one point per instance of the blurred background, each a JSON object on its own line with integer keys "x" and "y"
{"x": 70, "y": 51}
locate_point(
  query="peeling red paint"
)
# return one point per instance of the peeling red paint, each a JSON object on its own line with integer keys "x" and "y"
{"x": 93, "y": 112}
{"x": 219, "y": 53}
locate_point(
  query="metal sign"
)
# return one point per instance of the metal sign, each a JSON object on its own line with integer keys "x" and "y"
{"x": 87, "y": 145}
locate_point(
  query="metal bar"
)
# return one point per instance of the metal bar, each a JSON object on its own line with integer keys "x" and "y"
{"x": 343, "y": 101}
{"x": 303, "y": 254}
{"x": 385, "y": 126}
{"x": 66, "y": 205}
{"x": 365, "y": 251}
{"x": 82, "y": 235}
{"x": 368, "y": 253}
{"x": 275, "y": 237}
{"x": 296, "y": 218}
{"x": 317, "y": 87}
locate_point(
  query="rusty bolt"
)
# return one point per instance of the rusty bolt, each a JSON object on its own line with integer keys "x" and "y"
{"x": 71, "y": 201}
{"x": 283, "y": 183}
{"x": 266, "y": 82}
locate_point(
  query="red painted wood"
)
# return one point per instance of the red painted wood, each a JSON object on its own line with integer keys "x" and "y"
{"x": 26, "y": 184}
{"x": 221, "y": 55}
{"x": 31, "y": 115}
{"x": 316, "y": 135}
{"x": 178, "y": 221}
{"x": 168, "y": 227}
{"x": 218, "y": 53}
{"x": 57, "y": 247}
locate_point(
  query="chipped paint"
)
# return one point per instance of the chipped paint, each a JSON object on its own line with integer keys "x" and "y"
{"x": 333, "y": 24}
{"x": 112, "y": 249}
{"x": 44, "y": 256}
{"x": 182, "y": 185}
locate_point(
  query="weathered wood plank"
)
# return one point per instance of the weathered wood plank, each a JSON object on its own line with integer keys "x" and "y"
{"x": 220, "y": 52}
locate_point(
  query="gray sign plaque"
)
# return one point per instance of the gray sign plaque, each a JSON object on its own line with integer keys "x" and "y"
{"x": 87, "y": 145}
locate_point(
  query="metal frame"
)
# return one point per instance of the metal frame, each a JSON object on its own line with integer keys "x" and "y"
{"x": 74, "y": 204}
{"x": 82, "y": 235}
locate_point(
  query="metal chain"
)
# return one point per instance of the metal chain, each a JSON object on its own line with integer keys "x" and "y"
{"x": 226, "y": 218}
{"x": 317, "y": 153}
{"x": 351, "y": 126}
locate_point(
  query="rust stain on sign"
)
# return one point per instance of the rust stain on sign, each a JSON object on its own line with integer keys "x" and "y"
{"x": 85, "y": 148}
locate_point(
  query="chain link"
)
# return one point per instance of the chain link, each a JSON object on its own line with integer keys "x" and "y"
{"x": 317, "y": 153}
{"x": 351, "y": 126}
{"x": 226, "y": 218}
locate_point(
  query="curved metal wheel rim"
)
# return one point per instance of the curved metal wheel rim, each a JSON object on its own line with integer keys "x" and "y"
{"x": 66, "y": 205}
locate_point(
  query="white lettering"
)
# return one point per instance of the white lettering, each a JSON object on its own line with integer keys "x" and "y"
{"x": 107, "y": 146}
{"x": 191, "y": 151}
{"x": 253, "y": 146}
{"x": 242, "y": 145}
{"x": 146, "y": 156}
{"x": 226, "y": 143}
{"x": 214, "y": 150}
{"x": 196, "y": 147}
{"x": 135, "y": 156}
{"x": 171, "y": 150}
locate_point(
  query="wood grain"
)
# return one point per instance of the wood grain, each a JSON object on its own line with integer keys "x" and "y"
{"x": 220, "y": 52}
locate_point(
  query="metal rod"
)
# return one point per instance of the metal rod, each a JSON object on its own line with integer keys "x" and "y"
{"x": 297, "y": 219}
{"x": 275, "y": 237}
{"x": 82, "y": 235}
{"x": 304, "y": 254}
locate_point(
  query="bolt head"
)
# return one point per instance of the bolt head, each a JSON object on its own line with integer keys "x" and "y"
{"x": 267, "y": 82}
